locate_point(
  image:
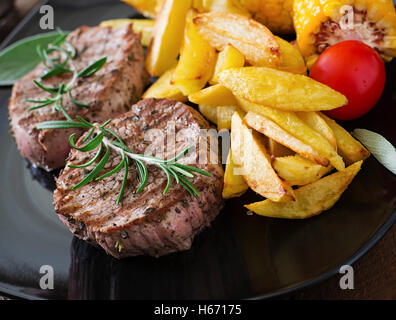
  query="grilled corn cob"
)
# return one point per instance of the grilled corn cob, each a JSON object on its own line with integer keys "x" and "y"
{"x": 274, "y": 14}
{"x": 322, "y": 23}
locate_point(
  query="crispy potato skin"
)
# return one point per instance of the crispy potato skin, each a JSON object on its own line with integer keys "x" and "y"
{"x": 214, "y": 96}
{"x": 252, "y": 39}
{"x": 164, "y": 88}
{"x": 321, "y": 151}
{"x": 298, "y": 171}
{"x": 250, "y": 154}
{"x": 234, "y": 184}
{"x": 349, "y": 148}
{"x": 281, "y": 90}
{"x": 291, "y": 59}
{"x": 227, "y": 58}
{"x": 311, "y": 199}
{"x": 197, "y": 60}
{"x": 167, "y": 37}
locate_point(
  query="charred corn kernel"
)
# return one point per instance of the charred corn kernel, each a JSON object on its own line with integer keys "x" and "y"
{"x": 143, "y": 26}
{"x": 274, "y": 14}
{"x": 228, "y": 58}
{"x": 322, "y": 23}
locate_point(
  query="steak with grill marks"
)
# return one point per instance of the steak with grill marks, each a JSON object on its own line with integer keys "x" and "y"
{"x": 110, "y": 92}
{"x": 148, "y": 223}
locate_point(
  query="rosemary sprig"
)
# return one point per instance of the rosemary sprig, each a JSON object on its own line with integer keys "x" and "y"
{"x": 58, "y": 65}
{"x": 102, "y": 139}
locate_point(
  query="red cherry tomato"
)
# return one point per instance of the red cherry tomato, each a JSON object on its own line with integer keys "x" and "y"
{"x": 357, "y": 71}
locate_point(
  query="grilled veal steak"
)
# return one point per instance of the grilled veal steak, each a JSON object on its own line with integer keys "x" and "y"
{"x": 147, "y": 223}
{"x": 109, "y": 92}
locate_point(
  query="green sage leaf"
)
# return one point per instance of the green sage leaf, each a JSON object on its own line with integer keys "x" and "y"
{"x": 21, "y": 57}
{"x": 381, "y": 148}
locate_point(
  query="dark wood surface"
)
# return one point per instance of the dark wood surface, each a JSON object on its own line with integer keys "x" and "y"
{"x": 375, "y": 273}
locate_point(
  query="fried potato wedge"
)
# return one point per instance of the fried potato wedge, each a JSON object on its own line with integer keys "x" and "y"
{"x": 251, "y": 38}
{"x": 197, "y": 60}
{"x": 349, "y": 148}
{"x": 291, "y": 59}
{"x": 234, "y": 183}
{"x": 148, "y": 8}
{"x": 278, "y": 150}
{"x": 322, "y": 151}
{"x": 214, "y": 96}
{"x": 224, "y": 116}
{"x": 209, "y": 113}
{"x": 280, "y": 90}
{"x": 298, "y": 171}
{"x": 273, "y": 131}
{"x": 164, "y": 88}
{"x": 143, "y": 26}
{"x": 256, "y": 163}
{"x": 231, "y": 6}
{"x": 317, "y": 123}
{"x": 311, "y": 199}
{"x": 167, "y": 36}
{"x": 228, "y": 58}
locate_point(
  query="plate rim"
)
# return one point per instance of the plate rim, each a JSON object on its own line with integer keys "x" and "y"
{"x": 359, "y": 253}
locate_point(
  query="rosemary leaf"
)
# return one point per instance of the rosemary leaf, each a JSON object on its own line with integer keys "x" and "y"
{"x": 124, "y": 181}
{"x": 200, "y": 171}
{"x": 89, "y": 162}
{"x": 116, "y": 169}
{"x": 93, "y": 144}
{"x": 60, "y": 125}
{"x": 78, "y": 103}
{"x": 95, "y": 171}
{"x": 93, "y": 68}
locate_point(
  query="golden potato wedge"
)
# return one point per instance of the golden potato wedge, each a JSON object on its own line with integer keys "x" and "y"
{"x": 317, "y": 123}
{"x": 292, "y": 124}
{"x": 148, "y": 8}
{"x": 291, "y": 59}
{"x": 251, "y": 38}
{"x": 234, "y": 183}
{"x": 164, "y": 88}
{"x": 167, "y": 36}
{"x": 143, "y": 26}
{"x": 228, "y": 58}
{"x": 311, "y": 199}
{"x": 209, "y": 113}
{"x": 197, "y": 60}
{"x": 231, "y": 6}
{"x": 256, "y": 163}
{"x": 349, "y": 148}
{"x": 214, "y": 96}
{"x": 280, "y": 90}
{"x": 298, "y": 171}
{"x": 224, "y": 116}
{"x": 272, "y": 130}
{"x": 278, "y": 150}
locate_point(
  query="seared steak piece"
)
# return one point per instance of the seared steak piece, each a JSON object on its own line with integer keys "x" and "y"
{"x": 148, "y": 223}
{"x": 109, "y": 92}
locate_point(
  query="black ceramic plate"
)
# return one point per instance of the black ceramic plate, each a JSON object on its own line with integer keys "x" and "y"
{"x": 240, "y": 256}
